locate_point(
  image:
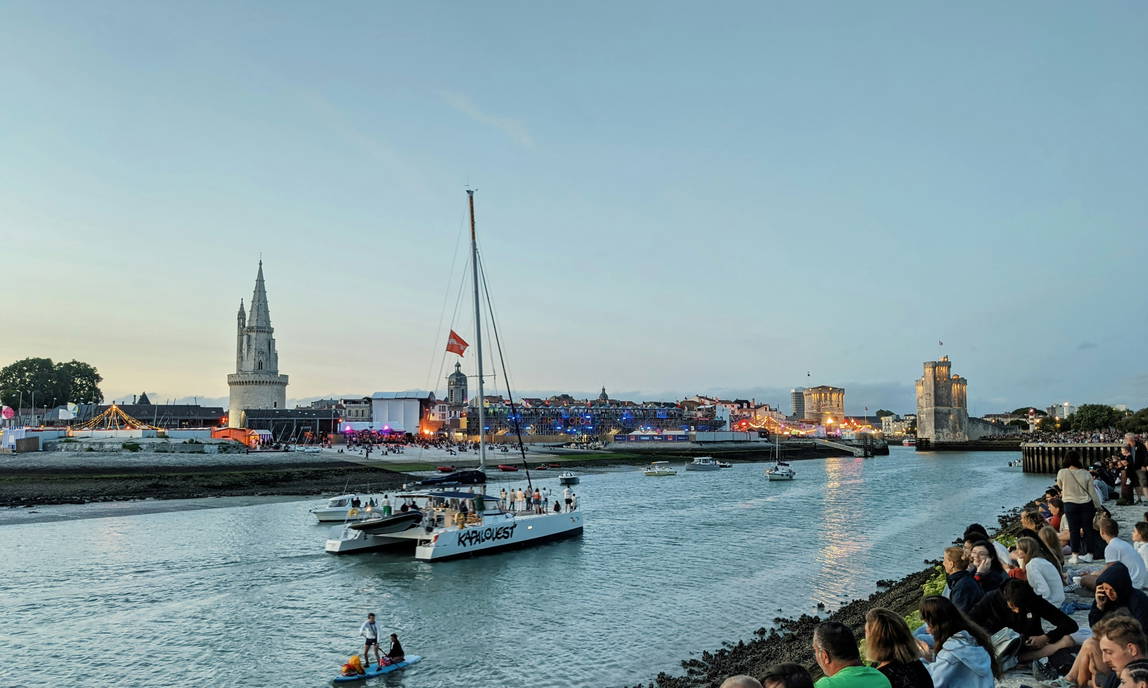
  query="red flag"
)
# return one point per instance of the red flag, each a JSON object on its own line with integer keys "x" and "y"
{"x": 456, "y": 344}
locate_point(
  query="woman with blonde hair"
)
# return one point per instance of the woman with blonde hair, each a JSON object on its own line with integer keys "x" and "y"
{"x": 1051, "y": 540}
{"x": 891, "y": 647}
{"x": 1041, "y": 573}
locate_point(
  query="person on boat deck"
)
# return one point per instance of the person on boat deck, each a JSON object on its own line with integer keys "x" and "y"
{"x": 396, "y": 652}
{"x": 963, "y": 588}
{"x": 355, "y": 502}
{"x": 566, "y": 497}
{"x": 353, "y": 667}
{"x": 574, "y": 501}
{"x": 369, "y": 631}
{"x": 835, "y": 649}
{"x": 557, "y": 507}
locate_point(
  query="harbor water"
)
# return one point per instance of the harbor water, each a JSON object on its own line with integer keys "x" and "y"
{"x": 667, "y": 566}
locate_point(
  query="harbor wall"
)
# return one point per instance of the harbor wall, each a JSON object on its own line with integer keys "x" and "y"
{"x": 1039, "y": 457}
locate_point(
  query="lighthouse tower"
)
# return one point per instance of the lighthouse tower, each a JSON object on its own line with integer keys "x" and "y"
{"x": 256, "y": 382}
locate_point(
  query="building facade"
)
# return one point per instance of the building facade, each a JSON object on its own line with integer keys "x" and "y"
{"x": 942, "y": 404}
{"x": 824, "y": 404}
{"x": 797, "y": 403}
{"x": 256, "y": 382}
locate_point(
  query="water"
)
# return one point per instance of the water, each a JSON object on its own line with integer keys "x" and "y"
{"x": 667, "y": 566}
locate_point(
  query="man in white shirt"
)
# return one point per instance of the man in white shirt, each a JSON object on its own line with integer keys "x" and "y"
{"x": 370, "y": 633}
{"x": 1121, "y": 551}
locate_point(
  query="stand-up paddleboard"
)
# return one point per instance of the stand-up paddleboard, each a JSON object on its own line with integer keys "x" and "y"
{"x": 376, "y": 670}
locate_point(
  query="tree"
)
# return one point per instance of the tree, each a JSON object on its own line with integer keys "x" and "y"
{"x": 80, "y": 382}
{"x": 1094, "y": 417}
{"x": 51, "y": 384}
{"x": 1136, "y": 422}
{"x": 881, "y": 413}
{"x": 1048, "y": 424}
{"x": 1023, "y": 411}
{"x": 1023, "y": 425}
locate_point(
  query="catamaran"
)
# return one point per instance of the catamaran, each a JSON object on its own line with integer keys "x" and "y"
{"x": 451, "y": 523}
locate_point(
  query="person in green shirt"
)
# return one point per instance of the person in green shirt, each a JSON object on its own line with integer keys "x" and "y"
{"x": 835, "y": 649}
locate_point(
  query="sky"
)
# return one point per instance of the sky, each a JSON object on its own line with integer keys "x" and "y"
{"x": 673, "y": 198}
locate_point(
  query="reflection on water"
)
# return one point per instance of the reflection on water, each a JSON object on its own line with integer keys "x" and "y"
{"x": 246, "y": 595}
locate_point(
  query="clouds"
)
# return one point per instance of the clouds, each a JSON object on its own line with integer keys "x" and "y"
{"x": 509, "y": 126}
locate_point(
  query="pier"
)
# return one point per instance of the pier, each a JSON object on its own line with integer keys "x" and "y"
{"x": 1038, "y": 457}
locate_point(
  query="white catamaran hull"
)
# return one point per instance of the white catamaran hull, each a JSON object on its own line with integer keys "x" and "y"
{"x": 499, "y": 534}
{"x": 344, "y": 540}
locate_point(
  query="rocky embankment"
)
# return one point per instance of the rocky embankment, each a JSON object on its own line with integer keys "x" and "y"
{"x": 75, "y": 485}
{"x": 788, "y": 640}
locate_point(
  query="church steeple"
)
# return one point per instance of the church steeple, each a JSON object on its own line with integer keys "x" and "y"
{"x": 260, "y": 314}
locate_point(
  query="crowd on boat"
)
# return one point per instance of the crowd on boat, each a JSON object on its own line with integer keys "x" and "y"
{"x": 538, "y": 501}
{"x": 1006, "y": 604}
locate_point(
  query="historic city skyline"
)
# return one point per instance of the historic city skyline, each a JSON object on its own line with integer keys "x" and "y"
{"x": 801, "y": 194}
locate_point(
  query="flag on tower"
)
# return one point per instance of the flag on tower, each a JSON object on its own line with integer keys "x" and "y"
{"x": 456, "y": 344}
{"x": 940, "y": 343}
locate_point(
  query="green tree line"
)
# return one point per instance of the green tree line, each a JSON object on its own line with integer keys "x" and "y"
{"x": 54, "y": 384}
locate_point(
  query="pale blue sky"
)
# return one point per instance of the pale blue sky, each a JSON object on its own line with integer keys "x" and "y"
{"x": 673, "y": 197}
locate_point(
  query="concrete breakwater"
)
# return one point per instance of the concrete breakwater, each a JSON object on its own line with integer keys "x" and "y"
{"x": 789, "y": 639}
{"x": 1039, "y": 457}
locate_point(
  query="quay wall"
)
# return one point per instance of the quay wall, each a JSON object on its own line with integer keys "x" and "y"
{"x": 924, "y": 444}
{"x": 1039, "y": 457}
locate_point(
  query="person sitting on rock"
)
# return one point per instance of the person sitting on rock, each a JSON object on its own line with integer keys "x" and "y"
{"x": 891, "y": 647}
{"x": 835, "y": 649}
{"x": 1017, "y": 606}
{"x": 963, "y": 588}
{"x": 961, "y": 655}
{"x": 986, "y": 566}
{"x": 783, "y": 676}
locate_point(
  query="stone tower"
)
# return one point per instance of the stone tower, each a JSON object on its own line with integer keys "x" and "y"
{"x": 942, "y": 406}
{"x": 456, "y": 387}
{"x": 256, "y": 383}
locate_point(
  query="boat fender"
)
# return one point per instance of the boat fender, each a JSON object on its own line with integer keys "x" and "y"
{"x": 353, "y": 512}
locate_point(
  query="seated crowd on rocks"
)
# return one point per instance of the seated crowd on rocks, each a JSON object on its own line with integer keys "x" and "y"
{"x": 1005, "y": 607}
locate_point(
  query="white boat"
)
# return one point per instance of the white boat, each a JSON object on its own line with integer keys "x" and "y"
{"x": 724, "y": 464}
{"x": 449, "y": 525}
{"x": 780, "y": 471}
{"x": 659, "y": 469}
{"x": 702, "y": 463}
{"x": 568, "y": 478}
{"x": 453, "y": 523}
{"x": 909, "y": 442}
{"x": 342, "y": 508}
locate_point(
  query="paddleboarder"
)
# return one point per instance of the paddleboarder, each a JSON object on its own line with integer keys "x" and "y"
{"x": 370, "y": 633}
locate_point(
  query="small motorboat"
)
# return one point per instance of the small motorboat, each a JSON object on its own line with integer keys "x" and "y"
{"x": 702, "y": 463}
{"x": 445, "y": 469}
{"x": 780, "y": 471}
{"x": 660, "y": 469}
{"x": 568, "y": 478}
{"x": 541, "y": 467}
{"x": 507, "y": 468}
{"x": 395, "y": 523}
{"x": 470, "y": 477}
{"x": 343, "y": 508}
{"x": 724, "y": 464}
{"x": 909, "y": 442}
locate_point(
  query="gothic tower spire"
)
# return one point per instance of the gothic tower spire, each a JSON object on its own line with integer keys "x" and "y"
{"x": 260, "y": 313}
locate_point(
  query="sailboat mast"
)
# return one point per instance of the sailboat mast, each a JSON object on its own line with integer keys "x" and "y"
{"x": 477, "y": 335}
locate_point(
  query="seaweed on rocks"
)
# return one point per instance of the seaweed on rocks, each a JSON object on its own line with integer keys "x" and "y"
{"x": 789, "y": 640}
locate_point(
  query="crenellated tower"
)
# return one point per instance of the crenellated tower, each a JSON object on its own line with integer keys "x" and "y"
{"x": 256, "y": 382}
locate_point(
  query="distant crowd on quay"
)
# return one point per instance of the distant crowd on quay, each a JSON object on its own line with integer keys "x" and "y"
{"x": 1063, "y": 598}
